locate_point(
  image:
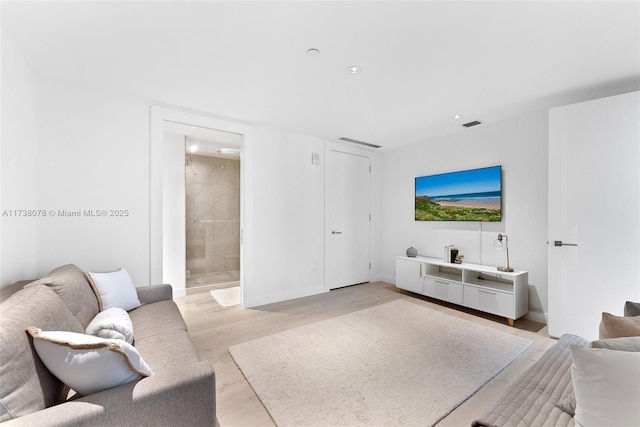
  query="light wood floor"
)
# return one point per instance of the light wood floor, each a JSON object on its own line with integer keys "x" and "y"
{"x": 214, "y": 329}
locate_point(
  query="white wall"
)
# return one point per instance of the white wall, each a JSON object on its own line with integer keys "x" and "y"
{"x": 174, "y": 263}
{"x": 520, "y": 146}
{"x": 93, "y": 153}
{"x": 65, "y": 148}
{"x": 286, "y": 215}
{"x": 18, "y": 165}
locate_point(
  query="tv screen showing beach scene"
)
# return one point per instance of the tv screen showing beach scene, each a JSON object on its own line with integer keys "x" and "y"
{"x": 471, "y": 195}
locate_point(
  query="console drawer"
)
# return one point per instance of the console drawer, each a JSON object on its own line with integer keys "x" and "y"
{"x": 442, "y": 289}
{"x": 489, "y": 300}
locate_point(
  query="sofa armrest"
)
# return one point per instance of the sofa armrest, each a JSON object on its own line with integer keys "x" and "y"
{"x": 154, "y": 293}
{"x": 184, "y": 396}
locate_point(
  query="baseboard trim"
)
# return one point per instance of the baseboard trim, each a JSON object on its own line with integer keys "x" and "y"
{"x": 537, "y": 317}
{"x": 388, "y": 279}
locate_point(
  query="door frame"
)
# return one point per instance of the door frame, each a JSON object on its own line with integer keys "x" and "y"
{"x": 158, "y": 115}
{"x": 347, "y": 148}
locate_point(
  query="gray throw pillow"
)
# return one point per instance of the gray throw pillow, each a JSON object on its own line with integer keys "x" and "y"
{"x": 632, "y": 309}
{"x": 619, "y": 344}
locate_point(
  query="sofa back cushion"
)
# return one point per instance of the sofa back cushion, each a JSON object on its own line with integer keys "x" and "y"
{"x": 72, "y": 287}
{"x": 27, "y": 385}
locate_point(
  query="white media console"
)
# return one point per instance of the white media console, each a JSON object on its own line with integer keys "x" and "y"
{"x": 475, "y": 286}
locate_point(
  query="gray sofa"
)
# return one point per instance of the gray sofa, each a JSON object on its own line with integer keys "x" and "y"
{"x": 544, "y": 394}
{"x": 180, "y": 392}
{"x": 533, "y": 399}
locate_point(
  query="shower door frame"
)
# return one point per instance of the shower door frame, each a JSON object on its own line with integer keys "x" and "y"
{"x": 213, "y": 266}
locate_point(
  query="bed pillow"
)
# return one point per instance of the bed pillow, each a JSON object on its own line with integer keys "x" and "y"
{"x": 114, "y": 289}
{"x": 617, "y": 327}
{"x": 113, "y": 323}
{"x": 88, "y": 364}
{"x": 606, "y": 386}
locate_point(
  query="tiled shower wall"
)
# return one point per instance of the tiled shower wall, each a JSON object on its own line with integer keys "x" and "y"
{"x": 213, "y": 219}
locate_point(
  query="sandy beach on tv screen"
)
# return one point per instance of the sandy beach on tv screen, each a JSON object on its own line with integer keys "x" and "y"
{"x": 486, "y": 204}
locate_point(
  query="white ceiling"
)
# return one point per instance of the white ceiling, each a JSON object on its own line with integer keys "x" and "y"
{"x": 422, "y": 62}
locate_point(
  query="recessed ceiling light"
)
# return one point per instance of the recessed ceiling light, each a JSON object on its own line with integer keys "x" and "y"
{"x": 354, "y": 69}
{"x": 313, "y": 52}
{"x": 193, "y": 148}
{"x": 456, "y": 117}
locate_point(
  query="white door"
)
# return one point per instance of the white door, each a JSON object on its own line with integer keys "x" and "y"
{"x": 347, "y": 219}
{"x": 594, "y": 203}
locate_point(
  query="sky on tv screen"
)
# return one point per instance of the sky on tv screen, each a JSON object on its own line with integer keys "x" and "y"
{"x": 485, "y": 180}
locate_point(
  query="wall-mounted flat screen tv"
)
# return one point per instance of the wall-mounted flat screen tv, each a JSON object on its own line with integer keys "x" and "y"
{"x": 471, "y": 195}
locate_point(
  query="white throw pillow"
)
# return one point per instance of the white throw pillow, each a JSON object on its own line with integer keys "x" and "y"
{"x": 113, "y": 323}
{"x": 88, "y": 364}
{"x": 114, "y": 289}
{"x": 607, "y": 387}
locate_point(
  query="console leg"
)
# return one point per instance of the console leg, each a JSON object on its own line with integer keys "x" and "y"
{"x": 510, "y": 321}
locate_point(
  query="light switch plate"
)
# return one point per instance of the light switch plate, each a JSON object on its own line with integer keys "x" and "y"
{"x": 315, "y": 158}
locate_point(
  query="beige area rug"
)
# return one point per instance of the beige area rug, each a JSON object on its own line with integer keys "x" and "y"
{"x": 227, "y": 297}
{"x": 397, "y": 364}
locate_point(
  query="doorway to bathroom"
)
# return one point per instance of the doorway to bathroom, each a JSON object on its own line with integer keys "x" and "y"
{"x": 212, "y": 210}
{"x": 202, "y": 203}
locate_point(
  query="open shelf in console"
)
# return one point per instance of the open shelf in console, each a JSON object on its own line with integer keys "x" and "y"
{"x": 443, "y": 272}
{"x": 488, "y": 284}
{"x": 488, "y": 280}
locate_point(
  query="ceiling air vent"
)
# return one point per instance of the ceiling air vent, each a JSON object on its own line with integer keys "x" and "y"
{"x": 353, "y": 141}
{"x": 473, "y": 123}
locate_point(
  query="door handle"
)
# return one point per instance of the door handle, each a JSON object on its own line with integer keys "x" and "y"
{"x": 336, "y": 232}
{"x": 561, "y": 243}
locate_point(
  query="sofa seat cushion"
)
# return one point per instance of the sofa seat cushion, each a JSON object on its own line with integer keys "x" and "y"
{"x": 71, "y": 285}
{"x": 27, "y": 385}
{"x": 156, "y": 319}
{"x": 162, "y": 352}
